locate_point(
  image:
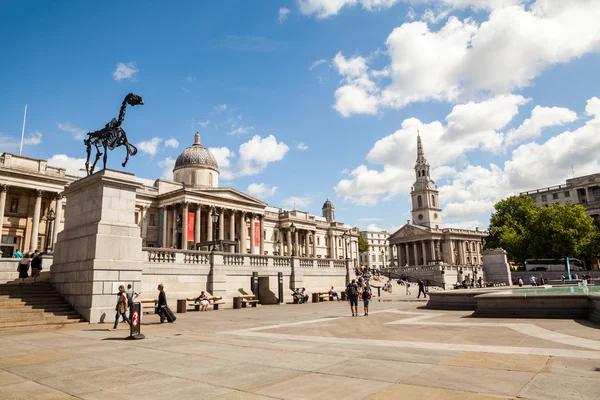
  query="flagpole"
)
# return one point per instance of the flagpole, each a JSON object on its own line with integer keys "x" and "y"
{"x": 23, "y": 130}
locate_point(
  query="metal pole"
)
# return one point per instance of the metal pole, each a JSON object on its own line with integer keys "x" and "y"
{"x": 23, "y": 130}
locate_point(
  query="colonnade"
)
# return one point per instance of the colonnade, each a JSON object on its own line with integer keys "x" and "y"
{"x": 424, "y": 252}
{"x": 232, "y": 225}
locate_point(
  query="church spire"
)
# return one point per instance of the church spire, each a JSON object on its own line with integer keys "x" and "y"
{"x": 420, "y": 153}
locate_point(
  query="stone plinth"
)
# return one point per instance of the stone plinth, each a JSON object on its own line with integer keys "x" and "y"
{"x": 100, "y": 245}
{"x": 495, "y": 266}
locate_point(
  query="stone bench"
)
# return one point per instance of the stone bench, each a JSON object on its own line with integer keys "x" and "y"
{"x": 320, "y": 296}
{"x": 154, "y": 303}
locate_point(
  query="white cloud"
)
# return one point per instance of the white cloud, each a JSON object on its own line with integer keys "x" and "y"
{"x": 592, "y": 107}
{"x": 241, "y": 130}
{"x": 220, "y": 107}
{"x": 283, "y": 14}
{"x": 370, "y": 219}
{"x": 125, "y": 71}
{"x": 257, "y": 153}
{"x": 472, "y": 224}
{"x": 316, "y": 63}
{"x": 150, "y": 146}
{"x": 223, "y": 156}
{"x": 464, "y": 58}
{"x": 296, "y": 202}
{"x": 301, "y": 146}
{"x": 167, "y": 166}
{"x": 77, "y": 132}
{"x": 328, "y": 8}
{"x": 34, "y": 139}
{"x": 541, "y": 118}
{"x": 261, "y": 191}
{"x": 374, "y": 228}
{"x": 73, "y": 166}
{"x": 203, "y": 124}
{"x": 172, "y": 142}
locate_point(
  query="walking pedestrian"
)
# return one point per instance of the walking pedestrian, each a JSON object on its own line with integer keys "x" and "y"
{"x": 121, "y": 308}
{"x": 520, "y": 282}
{"x": 36, "y": 265}
{"x": 421, "y": 289}
{"x": 131, "y": 295}
{"x": 23, "y": 267}
{"x": 162, "y": 303}
{"x": 352, "y": 294}
{"x": 407, "y": 283}
{"x": 367, "y": 294}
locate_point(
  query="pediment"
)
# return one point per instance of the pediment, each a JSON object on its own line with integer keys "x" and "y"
{"x": 230, "y": 194}
{"x": 409, "y": 231}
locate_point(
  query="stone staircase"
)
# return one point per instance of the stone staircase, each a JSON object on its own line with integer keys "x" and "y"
{"x": 34, "y": 305}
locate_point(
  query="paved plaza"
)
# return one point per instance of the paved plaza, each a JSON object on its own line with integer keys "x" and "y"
{"x": 312, "y": 351}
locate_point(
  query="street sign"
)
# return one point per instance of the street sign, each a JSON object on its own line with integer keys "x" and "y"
{"x": 136, "y": 322}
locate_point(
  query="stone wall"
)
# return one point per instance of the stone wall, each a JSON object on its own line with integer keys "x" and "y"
{"x": 8, "y": 268}
{"x": 441, "y": 275}
{"x": 185, "y": 273}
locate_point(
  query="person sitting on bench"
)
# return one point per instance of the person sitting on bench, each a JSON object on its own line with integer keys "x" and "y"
{"x": 304, "y": 295}
{"x": 333, "y": 293}
{"x": 203, "y": 300}
{"x": 297, "y": 296}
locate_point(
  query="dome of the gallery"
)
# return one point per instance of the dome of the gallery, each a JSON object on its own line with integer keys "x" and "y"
{"x": 196, "y": 156}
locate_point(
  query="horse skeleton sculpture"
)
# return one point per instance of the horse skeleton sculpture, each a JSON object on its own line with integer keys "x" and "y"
{"x": 111, "y": 136}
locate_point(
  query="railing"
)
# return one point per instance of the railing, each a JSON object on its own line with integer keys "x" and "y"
{"x": 281, "y": 261}
{"x": 322, "y": 264}
{"x": 259, "y": 261}
{"x": 160, "y": 256}
{"x": 196, "y": 258}
{"x": 233, "y": 260}
{"x": 305, "y": 263}
{"x": 339, "y": 264}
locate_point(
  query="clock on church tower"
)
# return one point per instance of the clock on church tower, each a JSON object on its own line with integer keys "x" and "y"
{"x": 426, "y": 209}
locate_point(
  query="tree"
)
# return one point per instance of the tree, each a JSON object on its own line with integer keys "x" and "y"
{"x": 363, "y": 245}
{"x": 514, "y": 217}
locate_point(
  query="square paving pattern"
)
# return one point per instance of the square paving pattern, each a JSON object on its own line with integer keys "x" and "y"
{"x": 312, "y": 351}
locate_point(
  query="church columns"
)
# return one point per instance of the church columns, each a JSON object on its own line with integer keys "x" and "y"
{"x": 407, "y": 251}
{"x": 424, "y": 251}
{"x": 232, "y": 230}
{"x": 416, "y": 253}
{"x": 391, "y": 254}
{"x": 184, "y": 225}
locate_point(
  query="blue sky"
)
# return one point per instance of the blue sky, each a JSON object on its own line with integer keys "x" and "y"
{"x": 318, "y": 98}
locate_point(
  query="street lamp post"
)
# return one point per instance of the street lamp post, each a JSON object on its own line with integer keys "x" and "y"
{"x": 293, "y": 232}
{"x": 50, "y": 218}
{"x": 382, "y": 258}
{"x": 215, "y": 220}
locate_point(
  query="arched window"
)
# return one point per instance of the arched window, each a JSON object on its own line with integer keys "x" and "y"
{"x": 419, "y": 201}
{"x": 193, "y": 178}
{"x": 210, "y": 179}
{"x": 433, "y": 200}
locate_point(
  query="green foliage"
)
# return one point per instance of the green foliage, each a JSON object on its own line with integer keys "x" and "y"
{"x": 531, "y": 231}
{"x": 363, "y": 245}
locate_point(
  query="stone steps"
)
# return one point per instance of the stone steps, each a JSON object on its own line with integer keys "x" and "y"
{"x": 25, "y": 305}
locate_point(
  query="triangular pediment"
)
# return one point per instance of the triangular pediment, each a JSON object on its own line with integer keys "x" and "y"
{"x": 231, "y": 195}
{"x": 409, "y": 231}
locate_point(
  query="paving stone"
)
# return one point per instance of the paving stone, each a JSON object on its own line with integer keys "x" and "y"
{"x": 561, "y": 387}
{"x": 573, "y": 366}
{"x": 387, "y": 371}
{"x": 248, "y": 377}
{"x": 7, "y": 378}
{"x": 55, "y": 368}
{"x": 402, "y": 391}
{"x": 35, "y": 357}
{"x": 31, "y": 390}
{"x": 508, "y": 362}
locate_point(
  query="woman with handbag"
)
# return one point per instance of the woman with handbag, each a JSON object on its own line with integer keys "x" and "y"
{"x": 367, "y": 294}
{"x": 23, "y": 267}
{"x": 121, "y": 308}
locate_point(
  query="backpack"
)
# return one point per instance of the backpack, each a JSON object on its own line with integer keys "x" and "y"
{"x": 351, "y": 291}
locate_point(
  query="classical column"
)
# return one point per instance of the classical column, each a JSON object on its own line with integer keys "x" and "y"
{"x": 174, "y": 227}
{"x": 36, "y": 221}
{"x": 262, "y": 234}
{"x": 232, "y": 230}
{"x": 243, "y": 231}
{"x": 407, "y": 252}
{"x": 184, "y": 225}
{"x": 424, "y": 249}
{"x": 3, "y": 190}
{"x": 209, "y": 225}
{"x": 432, "y": 248}
{"x": 288, "y": 235}
{"x": 252, "y": 233}
{"x": 58, "y": 216}
{"x": 165, "y": 227}
{"x": 144, "y": 214}
{"x": 330, "y": 250}
{"x": 222, "y": 224}
{"x": 416, "y": 251}
{"x": 314, "y": 244}
{"x": 198, "y": 227}
{"x": 296, "y": 244}
{"x": 391, "y": 254}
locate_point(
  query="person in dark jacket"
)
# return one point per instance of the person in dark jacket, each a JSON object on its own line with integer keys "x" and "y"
{"x": 421, "y": 289}
{"x": 162, "y": 302}
{"x": 36, "y": 265}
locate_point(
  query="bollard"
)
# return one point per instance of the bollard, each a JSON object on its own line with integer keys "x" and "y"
{"x": 237, "y": 303}
{"x": 315, "y": 297}
{"x": 344, "y": 297}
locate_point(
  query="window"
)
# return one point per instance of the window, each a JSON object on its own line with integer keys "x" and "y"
{"x": 210, "y": 179}
{"x": 275, "y": 236}
{"x": 43, "y": 209}
{"x": 137, "y": 218}
{"x": 534, "y": 199}
{"x": 14, "y": 206}
{"x": 193, "y": 178}
{"x": 373, "y": 257}
{"x": 555, "y": 196}
{"x": 264, "y": 235}
{"x": 326, "y": 241}
{"x": 544, "y": 197}
{"x": 318, "y": 241}
{"x": 151, "y": 220}
{"x": 567, "y": 194}
{"x": 419, "y": 201}
{"x": 433, "y": 200}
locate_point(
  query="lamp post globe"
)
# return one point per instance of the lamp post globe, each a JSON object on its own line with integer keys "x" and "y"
{"x": 293, "y": 231}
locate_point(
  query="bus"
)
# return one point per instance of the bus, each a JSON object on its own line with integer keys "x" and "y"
{"x": 554, "y": 264}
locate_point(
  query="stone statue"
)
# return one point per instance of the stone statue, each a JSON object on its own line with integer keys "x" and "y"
{"x": 111, "y": 136}
{"x": 492, "y": 241}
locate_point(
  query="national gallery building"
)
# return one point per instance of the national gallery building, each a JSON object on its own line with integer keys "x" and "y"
{"x": 191, "y": 212}
{"x": 424, "y": 240}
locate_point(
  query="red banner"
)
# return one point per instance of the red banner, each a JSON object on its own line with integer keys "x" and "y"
{"x": 190, "y": 227}
{"x": 256, "y": 234}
